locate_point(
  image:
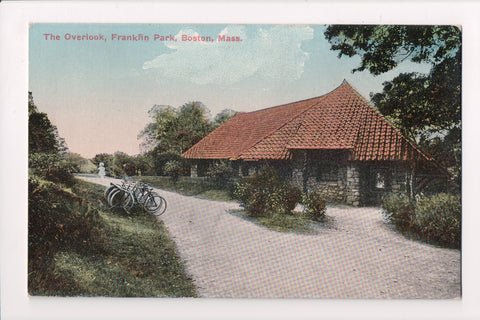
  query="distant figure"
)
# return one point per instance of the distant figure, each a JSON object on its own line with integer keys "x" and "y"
{"x": 101, "y": 170}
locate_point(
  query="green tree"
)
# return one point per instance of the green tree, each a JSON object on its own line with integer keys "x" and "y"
{"x": 382, "y": 47}
{"x": 193, "y": 124}
{"x": 124, "y": 164}
{"x": 155, "y": 160}
{"x": 47, "y": 150}
{"x": 425, "y": 107}
{"x": 102, "y": 157}
{"x": 42, "y": 134}
{"x": 176, "y": 130}
{"x": 160, "y": 133}
{"x": 223, "y": 116}
{"x": 120, "y": 163}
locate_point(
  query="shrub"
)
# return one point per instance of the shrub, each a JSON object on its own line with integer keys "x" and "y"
{"x": 172, "y": 168}
{"x": 51, "y": 167}
{"x": 315, "y": 205}
{"x": 435, "y": 218}
{"x": 220, "y": 174}
{"x": 56, "y": 215}
{"x": 155, "y": 162}
{"x": 59, "y": 173}
{"x": 293, "y": 197}
{"x": 439, "y": 218}
{"x": 399, "y": 210}
{"x": 57, "y": 220}
{"x": 265, "y": 194}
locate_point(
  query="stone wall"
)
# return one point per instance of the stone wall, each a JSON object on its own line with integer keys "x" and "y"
{"x": 299, "y": 165}
{"x": 400, "y": 179}
{"x": 341, "y": 181}
{"x": 344, "y": 190}
{"x": 328, "y": 172}
{"x": 353, "y": 185}
{"x": 331, "y": 173}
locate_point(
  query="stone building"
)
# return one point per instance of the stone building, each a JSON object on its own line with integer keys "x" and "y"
{"x": 337, "y": 144}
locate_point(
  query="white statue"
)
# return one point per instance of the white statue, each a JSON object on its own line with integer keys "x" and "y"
{"x": 101, "y": 170}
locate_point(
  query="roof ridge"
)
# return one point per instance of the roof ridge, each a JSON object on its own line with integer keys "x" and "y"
{"x": 344, "y": 82}
{"x": 303, "y": 100}
{"x": 350, "y": 145}
{"x": 341, "y": 118}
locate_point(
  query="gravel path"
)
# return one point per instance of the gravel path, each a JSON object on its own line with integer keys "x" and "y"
{"x": 357, "y": 256}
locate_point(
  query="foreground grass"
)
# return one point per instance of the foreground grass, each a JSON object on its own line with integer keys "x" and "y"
{"x": 188, "y": 186}
{"x": 99, "y": 252}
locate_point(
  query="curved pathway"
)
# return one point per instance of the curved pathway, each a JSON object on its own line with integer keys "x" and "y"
{"x": 357, "y": 256}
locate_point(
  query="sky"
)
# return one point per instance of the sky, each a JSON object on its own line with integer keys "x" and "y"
{"x": 97, "y": 85}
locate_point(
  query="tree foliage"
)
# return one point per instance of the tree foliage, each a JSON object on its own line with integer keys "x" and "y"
{"x": 160, "y": 132}
{"x": 424, "y": 104}
{"x": 47, "y": 150}
{"x": 382, "y": 48}
{"x": 223, "y": 116}
{"x": 42, "y": 134}
{"x": 175, "y": 130}
{"x": 425, "y": 107}
{"x": 193, "y": 124}
{"x": 120, "y": 164}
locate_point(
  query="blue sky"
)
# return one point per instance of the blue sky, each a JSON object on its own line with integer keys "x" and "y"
{"x": 98, "y": 93}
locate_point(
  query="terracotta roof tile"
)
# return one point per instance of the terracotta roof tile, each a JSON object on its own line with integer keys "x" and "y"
{"x": 341, "y": 119}
{"x": 245, "y": 130}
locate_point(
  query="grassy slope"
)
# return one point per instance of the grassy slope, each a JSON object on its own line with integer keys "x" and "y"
{"x": 112, "y": 253}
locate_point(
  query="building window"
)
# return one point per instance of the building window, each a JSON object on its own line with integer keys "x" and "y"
{"x": 383, "y": 180}
{"x": 380, "y": 180}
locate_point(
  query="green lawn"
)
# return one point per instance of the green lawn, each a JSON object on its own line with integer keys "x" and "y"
{"x": 198, "y": 187}
{"x": 298, "y": 222}
{"x": 78, "y": 247}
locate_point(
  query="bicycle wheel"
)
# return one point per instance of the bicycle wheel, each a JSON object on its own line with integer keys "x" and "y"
{"x": 111, "y": 194}
{"x": 109, "y": 190}
{"x": 155, "y": 204}
{"x": 121, "y": 199}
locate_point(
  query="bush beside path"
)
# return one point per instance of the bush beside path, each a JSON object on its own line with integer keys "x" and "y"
{"x": 78, "y": 247}
{"x": 358, "y": 256}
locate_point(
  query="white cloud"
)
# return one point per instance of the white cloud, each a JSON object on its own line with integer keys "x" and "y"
{"x": 272, "y": 53}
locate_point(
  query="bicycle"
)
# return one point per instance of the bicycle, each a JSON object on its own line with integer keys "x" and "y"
{"x": 131, "y": 193}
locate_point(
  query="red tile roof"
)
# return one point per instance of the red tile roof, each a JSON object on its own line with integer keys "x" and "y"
{"x": 341, "y": 119}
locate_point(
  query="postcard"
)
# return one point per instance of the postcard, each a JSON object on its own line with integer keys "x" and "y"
{"x": 243, "y": 162}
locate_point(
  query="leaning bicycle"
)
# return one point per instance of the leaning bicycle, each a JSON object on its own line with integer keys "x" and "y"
{"x": 130, "y": 193}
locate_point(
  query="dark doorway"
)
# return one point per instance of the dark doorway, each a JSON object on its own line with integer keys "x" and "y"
{"x": 374, "y": 183}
